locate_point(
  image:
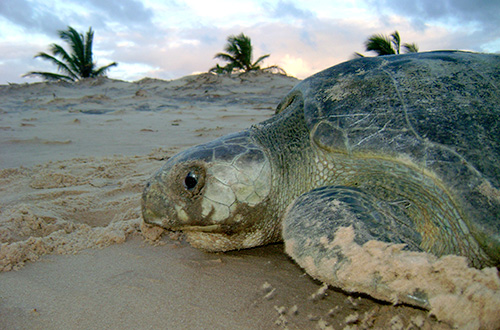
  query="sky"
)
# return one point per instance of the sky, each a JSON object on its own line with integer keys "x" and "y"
{"x": 172, "y": 38}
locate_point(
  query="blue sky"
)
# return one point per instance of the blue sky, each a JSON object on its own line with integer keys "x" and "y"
{"x": 173, "y": 38}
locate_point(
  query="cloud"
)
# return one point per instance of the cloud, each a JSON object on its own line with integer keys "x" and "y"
{"x": 287, "y": 9}
{"x": 124, "y": 10}
{"x": 39, "y": 18}
{"x": 484, "y": 12}
{"x": 130, "y": 13}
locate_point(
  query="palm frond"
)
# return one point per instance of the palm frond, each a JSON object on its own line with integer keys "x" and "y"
{"x": 233, "y": 62}
{"x": 75, "y": 41}
{"x": 396, "y": 41}
{"x": 48, "y": 75}
{"x": 61, "y": 66}
{"x": 225, "y": 57}
{"x": 275, "y": 70}
{"x": 221, "y": 69}
{"x": 356, "y": 55}
{"x": 231, "y": 46}
{"x": 244, "y": 45}
{"x": 103, "y": 69}
{"x": 255, "y": 65}
{"x": 70, "y": 65}
{"x": 410, "y": 48}
{"x": 89, "y": 40}
{"x": 380, "y": 44}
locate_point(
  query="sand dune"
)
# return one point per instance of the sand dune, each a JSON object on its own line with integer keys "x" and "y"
{"x": 73, "y": 162}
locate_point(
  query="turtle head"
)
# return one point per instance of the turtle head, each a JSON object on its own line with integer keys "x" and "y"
{"x": 216, "y": 193}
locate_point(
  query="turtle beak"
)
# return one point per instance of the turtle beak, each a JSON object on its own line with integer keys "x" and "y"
{"x": 154, "y": 207}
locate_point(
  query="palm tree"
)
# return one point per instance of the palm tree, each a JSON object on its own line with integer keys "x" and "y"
{"x": 75, "y": 65}
{"x": 239, "y": 55}
{"x": 384, "y": 45}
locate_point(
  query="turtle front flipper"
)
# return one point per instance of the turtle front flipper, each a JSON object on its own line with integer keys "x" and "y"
{"x": 346, "y": 238}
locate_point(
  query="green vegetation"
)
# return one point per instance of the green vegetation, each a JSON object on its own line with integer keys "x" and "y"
{"x": 239, "y": 54}
{"x": 75, "y": 65}
{"x": 387, "y": 45}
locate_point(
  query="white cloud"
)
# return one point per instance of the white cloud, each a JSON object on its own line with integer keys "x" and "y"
{"x": 295, "y": 66}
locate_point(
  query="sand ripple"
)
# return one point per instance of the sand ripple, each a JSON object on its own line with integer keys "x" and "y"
{"x": 66, "y": 206}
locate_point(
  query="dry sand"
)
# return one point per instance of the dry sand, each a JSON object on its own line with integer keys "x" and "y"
{"x": 73, "y": 161}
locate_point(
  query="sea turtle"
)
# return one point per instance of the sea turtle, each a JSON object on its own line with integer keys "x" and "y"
{"x": 404, "y": 149}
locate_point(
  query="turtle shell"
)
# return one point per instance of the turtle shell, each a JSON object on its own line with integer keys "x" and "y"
{"x": 440, "y": 110}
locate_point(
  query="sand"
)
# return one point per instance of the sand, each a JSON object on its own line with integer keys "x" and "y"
{"x": 74, "y": 254}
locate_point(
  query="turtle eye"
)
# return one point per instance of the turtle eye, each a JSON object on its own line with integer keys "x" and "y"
{"x": 191, "y": 180}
